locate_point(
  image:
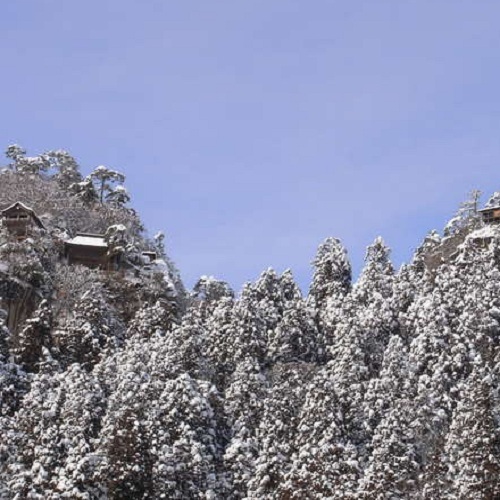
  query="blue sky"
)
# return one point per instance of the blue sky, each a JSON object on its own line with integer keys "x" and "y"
{"x": 249, "y": 131}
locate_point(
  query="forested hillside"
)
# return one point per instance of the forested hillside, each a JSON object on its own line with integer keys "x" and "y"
{"x": 120, "y": 384}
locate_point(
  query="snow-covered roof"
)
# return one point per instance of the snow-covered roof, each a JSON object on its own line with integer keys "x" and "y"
{"x": 88, "y": 240}
{"x": 487, "y": 209}
{"x": 19, "y": 204}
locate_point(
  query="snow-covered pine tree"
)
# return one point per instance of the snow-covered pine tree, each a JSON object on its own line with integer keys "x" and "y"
{"x": 34, "y": 342}
{"x": 472, "y": 446}
{"x": 243, "y": 407}
{"x": 208, "y": 291}
{"x": 118, "y": 196}
{"x": 66, "y": 167}
{"x": 330, "y": 284}
{"x": 332, "y": 273}
{"x": 373, "y": 299}
{"x": 277, "y": 428}
{"x": 53, "y": 437}
{"x": 104, "y": 179}
{"x": 13, "y": 380}
{"x": 467, "y": 217}
{"x": 90, "y": 332}
{"x": 392, "y": 466}
{"x": 325, "y": 462}
{"x": 183, "y": 431}
{"x": 296, "y": 337}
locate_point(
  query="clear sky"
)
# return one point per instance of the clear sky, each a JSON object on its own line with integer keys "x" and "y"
{"x": 250, "y": 130}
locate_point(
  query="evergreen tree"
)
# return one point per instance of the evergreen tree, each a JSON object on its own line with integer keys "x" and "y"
{"x": 54, "y": 435}
{"x": 84, "y": 190}
{"x": 467, "y": 216}
{"x": 472, "y": 444}
{"x": 4, "y": 337}
{"x": 185, "y": 450}
{"x": 296, "y": 337}
{"x": 13, "y": 380}
{"x": 186, "y": 348}
{"x": 332, "y": 273}
{"x": 118, "y": 196}
{"x": 208, "y": 291}
{"x": 393, "y": 465}
{"x": 124, "y": 469}
{"x": 66, "y": 167}
{"x": 92, "y": 331}
{"x": 325, "y": 462}
{"x": 150, "y": 320}
{"x": 278, "y": 427}
{"x": 374, "y": 305}
{"x": 34, "y": 341}
{"x": 104, "y": 179}
{"x": 244, "y": 404}
{"x": 15, "y": 153}
{"x": 220, "y": 341}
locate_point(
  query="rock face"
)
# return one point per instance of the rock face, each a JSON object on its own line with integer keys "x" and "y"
{"x": 18, "y": 299}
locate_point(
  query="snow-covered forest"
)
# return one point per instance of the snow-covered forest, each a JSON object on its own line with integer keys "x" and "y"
{"x": 121, "y": 384}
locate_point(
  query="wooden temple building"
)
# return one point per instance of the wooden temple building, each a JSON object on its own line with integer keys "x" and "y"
{"x": 91, "y": 250}
{"x": 86, "y": 249}
{"x": 20, "y": 220}
{"x": 483, "y": 236}
{"x": 491, "y": 215}
{"x": 150, "y": 256}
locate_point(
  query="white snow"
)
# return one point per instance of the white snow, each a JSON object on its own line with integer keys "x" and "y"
{"x": 485, "y": 232}
{"x": 88, "y": 241}
{"x": 22, "y": 205}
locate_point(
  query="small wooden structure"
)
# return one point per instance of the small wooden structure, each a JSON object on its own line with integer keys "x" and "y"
{"x": 91, "y": 250}
{"x": 150, "y": 256}
{"x": 20, "y": 220}
{"x": 491, "y": 215}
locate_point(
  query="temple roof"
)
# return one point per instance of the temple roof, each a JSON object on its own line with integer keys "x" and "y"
{"x": 88, "y": 240}
{"x": 21, "y": 206}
